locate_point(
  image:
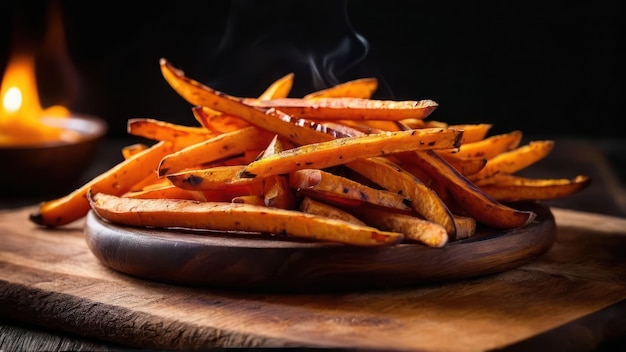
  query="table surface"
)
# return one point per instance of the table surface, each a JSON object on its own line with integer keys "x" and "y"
{"x": 600, "y": 324}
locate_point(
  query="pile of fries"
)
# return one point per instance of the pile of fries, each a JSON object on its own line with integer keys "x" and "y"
{"x": 334, "y": 165}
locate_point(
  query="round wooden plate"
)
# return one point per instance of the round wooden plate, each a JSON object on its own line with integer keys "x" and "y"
{"x": 253, "y": 261}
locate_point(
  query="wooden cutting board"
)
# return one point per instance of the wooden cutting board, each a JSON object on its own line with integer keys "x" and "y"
{"x": 51, "y": 278}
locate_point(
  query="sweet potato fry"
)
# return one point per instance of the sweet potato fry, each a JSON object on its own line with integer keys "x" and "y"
{"x": 466, "y": 166}
{"x": 489, "y": 147}
{"x": 477, "y": 203}
{"x": 316, "y": 183}
{"x": 279, "y": 88}
{"x": 278, "y": 194}
{"x": 217, "y": 122}
{"x": 413, "y": 228}
{"x": 130, "y": 150}
{"x": 152, "y": 180}
{"x": 510, "y": 188}
{"x": 393, "y": 178}
{"x": 472, "y": 132}
{"x": 198, "y": 94}
{"x": 344, "y": 150}
{"x": 311, "y": 206}
{"x": 372, "y": 126}
{"x": 465, "y": 227}
{"x": 515, "y": 160}
{"x": 275, "y": 146}
{"x": 167, "y": 191}
{"x": 420, "y": 123}
{"x": 221, "y": 123}
{"x": 164, "y": 131}
{"x": 362, "y": 88}
{"x": 116, "y": 181}
{"x": 218, "y": 178}
{"x": 221, "y": 216}
{"x": 216, "y": 148}
{"x": 348, "y": 108}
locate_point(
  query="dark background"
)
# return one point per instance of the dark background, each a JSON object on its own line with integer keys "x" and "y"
{"x": 549, "y": 67}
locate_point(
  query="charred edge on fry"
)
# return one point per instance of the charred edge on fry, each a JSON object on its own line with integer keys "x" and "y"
{"x": 459, "y": 138}
{"x": 163, "y": 172}
{"x": 193, "y": 180}
{"x": 246, "y": 174}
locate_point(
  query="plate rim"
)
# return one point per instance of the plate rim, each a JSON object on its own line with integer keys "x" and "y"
{"x": 195, "y": 258}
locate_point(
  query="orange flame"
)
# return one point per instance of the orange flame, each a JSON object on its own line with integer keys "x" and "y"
{"x": 22, "y": 120}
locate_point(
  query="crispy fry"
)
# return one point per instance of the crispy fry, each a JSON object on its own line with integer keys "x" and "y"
{"x": 200, "y": 95}
{"x": 216, "y": 148}
{"x": 420, "y": 123}
{"x": 413, "y": 228}
{"x": 314, "y": 182}
{"x": 311, "y": 206}
{"x": 218, "y": 178}
{"x": 372, "y": 126}
{"x": 465, "y": 227}
{"x": 217, "y": 122}
{"x": 221, "y": 216}
{"x": 167, "y": 191}
{"x": 130, "y": 150}
{"x": 512, "y": 161}
{"x": 152, "y": 180}
{"x": 466, "y": 166}
{"x": 344, "y": 150}
{"x": 394, "y": 179}
{"x": 510, "y": 188}
{"x": 221, "y": 123}
{"x": 476, "y": 202}
{"x": 362, "y": 88}
{"x": 279, "y": 89}
{"x": 278, "y": 194}
{"x": 490, "y": 147}
{"x": 164, "y": 131}
{"x": 472, "y": 132}
{"x": 116, "y": 181}
{"x": 274, "y": 147}
{"x": 348, "y": 108}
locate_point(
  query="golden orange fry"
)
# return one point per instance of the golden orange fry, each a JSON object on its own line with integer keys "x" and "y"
{"x": 158, "y": 130}
{"x": 216, "y": 148}
{"x": 222, "y": 216}
{"x": 279, "y": 88}
{"x": 359, "y": 88}
{"x": 348, "y": 108}
{"x": 343, "y": 150}
{"x": 476, "y": 202}
{"x": 510, "y": 188}
{"x": 316, "y": 183}
{"x": 515, "y": 160}
{"x": 311, "y": 206}
{"x": 116, "y": 181}
{"x": 413, "y": 228}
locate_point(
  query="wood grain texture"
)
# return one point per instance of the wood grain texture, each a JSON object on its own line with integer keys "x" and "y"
{"x": 50, "y": 278}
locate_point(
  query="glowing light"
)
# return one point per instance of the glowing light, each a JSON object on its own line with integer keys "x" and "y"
{"x": 22, "y": 119}
{"x": 12, "y": 99}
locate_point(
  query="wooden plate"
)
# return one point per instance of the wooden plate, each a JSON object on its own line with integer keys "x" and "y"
{"x": 252, "y": 261}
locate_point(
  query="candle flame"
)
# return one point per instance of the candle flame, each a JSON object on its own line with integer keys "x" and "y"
{"x": 22, "y": 119}
{"x": 12, "y": 100}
